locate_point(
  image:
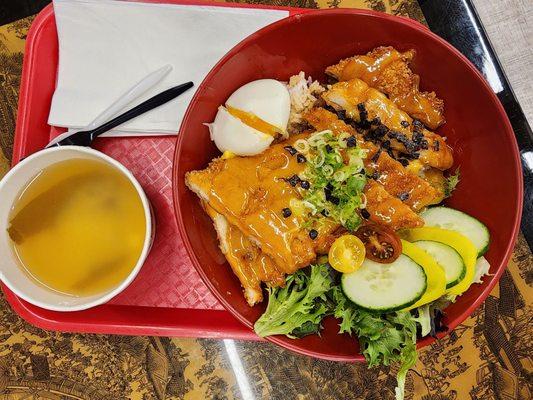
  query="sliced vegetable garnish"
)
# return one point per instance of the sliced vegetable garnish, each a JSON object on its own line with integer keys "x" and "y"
{"x": 459, "y": 242}
{"x": 458, "y": 221}
{"x": 336, "y": 176}
{"x": 382, "y": 244}
{"x": 447, "y": 258}
{"x": 346, "y": 254}
{"x": 385, "y": 287}
{"x": 436, "y": 278}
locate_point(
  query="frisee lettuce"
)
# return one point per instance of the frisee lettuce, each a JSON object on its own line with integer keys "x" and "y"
{"x": 451, "y": 183}
{"x": 298, "y": 308}
{"x": 384, "y": 338}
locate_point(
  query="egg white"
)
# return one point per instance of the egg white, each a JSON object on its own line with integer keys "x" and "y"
{"x": 231, "y": 134}
{"x": 268, "y": 99}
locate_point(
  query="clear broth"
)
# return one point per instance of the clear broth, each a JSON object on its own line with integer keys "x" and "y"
{"x": 78, "y": 227}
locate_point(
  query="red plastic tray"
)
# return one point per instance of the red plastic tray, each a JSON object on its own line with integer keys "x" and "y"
{"x": 168, "y": 297}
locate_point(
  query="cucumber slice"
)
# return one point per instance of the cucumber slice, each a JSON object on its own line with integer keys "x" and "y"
{"x": 447, "y": 258}
{"x": 385, "y": 287}
{"x": 458, "y": 221}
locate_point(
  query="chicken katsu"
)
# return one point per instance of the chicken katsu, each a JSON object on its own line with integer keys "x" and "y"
{"x": 387, "y": 70}
{"x": 246, "y": 259}
{"x": 373, "y": 109}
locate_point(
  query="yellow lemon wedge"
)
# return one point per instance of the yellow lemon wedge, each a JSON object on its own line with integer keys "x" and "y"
{"x": 436, "y": 277}
{"x": 347, "y": 254}
{"x": 459, "y": 242}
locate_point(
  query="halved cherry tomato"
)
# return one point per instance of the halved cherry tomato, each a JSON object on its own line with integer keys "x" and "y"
{"x": 346, "y": 254}
{"x": 382, "y": 244}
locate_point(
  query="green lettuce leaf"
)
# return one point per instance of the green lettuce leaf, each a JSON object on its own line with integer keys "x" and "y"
{"x": 424, "y": 319}
{"x": 298, "y": 308}
{"x": 451, "y": 183}
{"x": 384, "y": 338}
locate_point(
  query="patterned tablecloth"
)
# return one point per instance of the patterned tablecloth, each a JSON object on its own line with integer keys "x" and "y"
{"x": 489, "y": 356}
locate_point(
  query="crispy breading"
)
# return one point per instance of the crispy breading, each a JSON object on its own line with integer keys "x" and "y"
{"x": 395, "y": 178}
{"x": 388, "y": 70}
{"x": 387, "y": 210}
{"x": 388, "y": 123}
{"x": 248, "y": 262}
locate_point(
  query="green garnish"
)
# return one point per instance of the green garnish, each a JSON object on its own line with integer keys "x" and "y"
{"x": 337, "y": 178}
{"x": 296, "y": 309}
{"x": 384, "y": 338}
{"x": 451, "y": 183}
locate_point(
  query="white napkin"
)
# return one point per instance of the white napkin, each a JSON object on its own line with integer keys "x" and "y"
{"x": 107, "y": 46}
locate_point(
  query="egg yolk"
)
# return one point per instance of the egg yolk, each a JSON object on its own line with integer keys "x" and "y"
{"x": 254, "y": 121}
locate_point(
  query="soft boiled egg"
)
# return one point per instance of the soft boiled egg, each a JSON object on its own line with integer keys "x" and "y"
{"x": 255, "y": 114}
{"x": 232, "y": 135}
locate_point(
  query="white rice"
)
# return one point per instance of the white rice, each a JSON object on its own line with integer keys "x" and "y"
{"x": 304, "y": 93}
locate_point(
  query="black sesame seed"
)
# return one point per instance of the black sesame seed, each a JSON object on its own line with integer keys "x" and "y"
{"x": 374, "y": 176}
{"x": 324, "y": 212}
{"x": 300, "y": 158}
{"x": 404, "y": 161}
{"x": 417, "y": 125}
{"x": 286, "y": 212}
{"x": 375, "y": 121}
{"x": 351, "y": 141}
{"x": 305, "y": 185}
{"x": 292, "y": 151}
{"x": 386, "y": 144}
{"x": 403, "y": 196}
{"x": 365, "y": 214}
{"x": 329, "y": 149}
{"x": 293, "y": 180}
{"x": 334, "y": 200}
{"x": 313, "y": 234}
{"x": 436, "y": 145}
{"x": 361, "y": 107}
{"x": 405, "y": 124}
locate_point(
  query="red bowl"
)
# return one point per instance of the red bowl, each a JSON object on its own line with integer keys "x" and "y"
{"x": 477, "y": 128}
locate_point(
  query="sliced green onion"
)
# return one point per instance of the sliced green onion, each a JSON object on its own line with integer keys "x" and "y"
{"x": 302, "y": 146}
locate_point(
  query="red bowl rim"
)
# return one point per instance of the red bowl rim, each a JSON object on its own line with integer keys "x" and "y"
{"x": 380, "y": 16}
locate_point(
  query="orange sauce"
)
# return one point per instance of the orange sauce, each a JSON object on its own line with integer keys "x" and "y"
{"x": 368, "y": 68}
{"x": 251, "y": 193}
